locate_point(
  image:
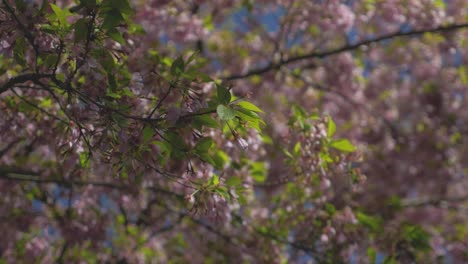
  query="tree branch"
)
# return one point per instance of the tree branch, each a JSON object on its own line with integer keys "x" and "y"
{"x": 9, "y": 146}
{"x": 33, "y": 177}
{"x": 322, "y": 54}
{"x": 62, "y": 253}
{"x": 438, "y": 201}
{"x": 21, "y": 79}
{"x": 15, "y": 174}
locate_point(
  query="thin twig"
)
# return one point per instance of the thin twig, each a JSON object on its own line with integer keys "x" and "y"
{"x": 322, "y": 54}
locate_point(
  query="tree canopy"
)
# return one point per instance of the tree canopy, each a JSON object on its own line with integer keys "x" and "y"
{"x": 282, "y": 131}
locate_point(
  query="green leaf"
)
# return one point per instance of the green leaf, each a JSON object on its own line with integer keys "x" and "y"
{"x": 285, "y": 151}
{"x": 205, "y": 120}
{"x": 45, "y": 103}
{"x": 225, "y": 113}
{"x": 19, "y": 50}
{"x": 220, "y": 158}
{"x": 20, "y": 5}
{"x": 252, "y": 119}
{"x": 390, "y": 260}
{"x": 214, "y": 180}
{"x": 116, "y": 35}
{"x": 249, "y": 106}
{"x": 224, "y": 96}
{"x": 394, "y": 202}
{"x": 463, "y": 74}
{"x": 297, "y": 149}
{"x": 178, "y": 66}
{"x": 176, "y": 141}
{"x": 204, "y": 77}
{"x": 107, "y": 61}
{"x": 204, "y": 145}
{"x": 325, "y": 157}
{"x": 123, "y": 6}
{"x": 81, "y": 30}
{"x": 223, "y": 192}
{"x": 112, "y": 85}
{"x": 208, "y": 22}
{"x": 50, "y": 60}
{"x": 258, "y": 171}
{"x": 192, "y": 57}
{"x": 148, "y": 133}
{"x": 330, "y": 208}
{"x": 439, "y": 4}
{"x": 372, "y": 254}
{"x": 61, "y": 14}
{"x": 233, "y": 181}
{"x": 248, "y": 115}
{"x": 372, "y": 222}
{"x": 417, "y": 237}
{"x": 267, "y": 139}
{"x": 135, "y": 29}
{"x": 112, "y": 18}
{"x": 331, "y": 128}
{"x": 343, "y": 145}
{"x": 84, "y": 160}
{"x": 256, "y": 124}
{"x": 88, "y": 3}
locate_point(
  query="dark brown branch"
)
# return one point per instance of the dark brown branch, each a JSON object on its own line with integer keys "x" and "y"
{"x": 21, "y": 79}
{"x": 438, "y": 201}
{"x": 322, "y": 54}
{"x": 15, "y": 174}
{"x": 9, "y": 146}
{"x": 38, "y": 108}
{"x": 293, "y": 244}
{"x": 62, "y": 253}
{"x": 33, "y": 177}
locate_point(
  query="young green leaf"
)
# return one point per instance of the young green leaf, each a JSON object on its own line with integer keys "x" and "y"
{"x": 417, "y": 237}
{"x": 374, "y": 223}
{"x": 225, "y": 113}
{"x": 258, "y": 171}
{"x": 148, "y": 133}
{"x": 220, "y": 158}
{"x": 112, "y": 18}
{"x": 233, "y": 181}
{"x": 224, "y": 96}
{"x": 331, "y": 128}
{"x": 178, "y": 66}
{"x": 297, "y": 149}
{"x": 214, "y": 180}
{"x": 204, "y": 145}
{"x": 88, "y": 3}
{"x": 116, "y": 35}
{"x": 205, "y": 120}
{"x": 249, "y": 106}
{"x": 81, "y": 30}
{"x": 343, "y": 145}
{"x": 61, "y": 14}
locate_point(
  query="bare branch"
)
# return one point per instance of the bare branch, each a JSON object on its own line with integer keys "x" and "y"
{"x": 21, "y": 79}
{"x": 9, "y": 146}
{"x": 26, "y": 176}
{"x": 322, "y": 54}
{"x": 437, "y": 201}
{"x": 16, "y": 174}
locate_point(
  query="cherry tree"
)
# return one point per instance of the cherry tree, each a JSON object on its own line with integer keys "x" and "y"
{"x": 283, "y": 131}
